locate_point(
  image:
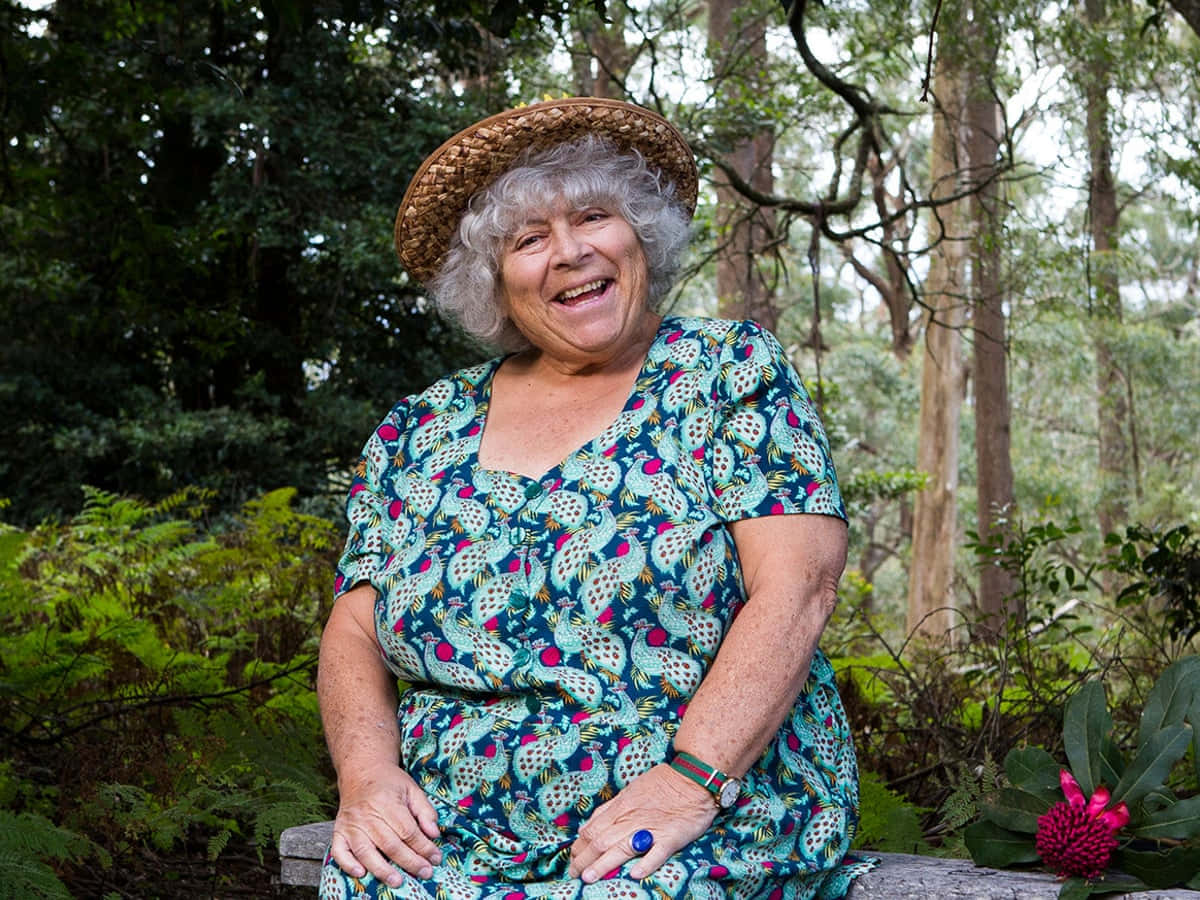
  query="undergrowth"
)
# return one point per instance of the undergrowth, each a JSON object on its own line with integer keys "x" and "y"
{"x": 157, "y": 696}
{"x": 156, "y": 693}
{"x": 932, "y": 715}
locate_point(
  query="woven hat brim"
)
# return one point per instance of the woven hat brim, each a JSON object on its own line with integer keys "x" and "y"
{"x": 438, "y": 194}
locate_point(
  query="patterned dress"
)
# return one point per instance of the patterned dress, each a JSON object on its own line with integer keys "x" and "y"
{"x": 552, "y": 630}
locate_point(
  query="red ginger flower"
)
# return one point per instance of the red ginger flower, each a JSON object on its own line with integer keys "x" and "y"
{"x": 1078, "y": 837}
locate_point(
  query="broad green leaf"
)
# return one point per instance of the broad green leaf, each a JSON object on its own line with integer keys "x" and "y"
{"x": 1112, "y": 762}
{"x": 1193, "y": 719}
{"x": 1075, "y": 889}
{"x": 1179, "y": 820}
{"x": 1171, "y": 698}
{"x": 1111, "y": 883}
{"x": 1157, "y": 800}
{"x": 1160, "y": 869}
{"x": 1086, "y": 724}
{"x": 1015, "y": 809}
{"x": 1034, "y": 770}
{"x": 1150, "y": 767}
{"x": 991, "y": 845}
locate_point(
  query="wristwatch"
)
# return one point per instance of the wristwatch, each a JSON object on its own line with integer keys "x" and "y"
{"x": 724, "y": 788}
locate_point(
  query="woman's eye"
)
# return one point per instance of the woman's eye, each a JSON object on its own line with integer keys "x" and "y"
{"x": 527, "y": 240}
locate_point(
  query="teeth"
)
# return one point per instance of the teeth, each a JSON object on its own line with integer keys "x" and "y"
{"x": 582, "y": 289}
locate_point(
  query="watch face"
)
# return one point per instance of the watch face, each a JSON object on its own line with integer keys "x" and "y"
{"x": 728, "y": 794}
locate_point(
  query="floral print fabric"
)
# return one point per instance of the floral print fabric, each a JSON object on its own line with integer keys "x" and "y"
{"x": 552, "y": 630}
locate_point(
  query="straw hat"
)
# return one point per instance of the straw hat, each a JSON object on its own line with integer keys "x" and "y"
{"x": 475, "y": 157}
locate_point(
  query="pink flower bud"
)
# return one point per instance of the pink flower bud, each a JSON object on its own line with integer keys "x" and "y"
{"x": 1115, "y": 818}
{"x": 1070, "y": 788}
{"x": 1098, "y": 802}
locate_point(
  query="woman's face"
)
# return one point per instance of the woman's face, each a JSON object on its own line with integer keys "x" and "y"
{"x": 574, "y": 281}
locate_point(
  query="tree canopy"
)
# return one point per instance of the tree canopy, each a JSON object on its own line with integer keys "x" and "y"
{"x": 198, "y": 289}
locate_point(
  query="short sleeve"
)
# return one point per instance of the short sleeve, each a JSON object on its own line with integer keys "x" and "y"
{"x": 374, "y": 515}
{"x": 770, "y": 453}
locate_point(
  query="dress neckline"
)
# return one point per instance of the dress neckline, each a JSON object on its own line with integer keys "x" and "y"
{"x": 486, "y": 404}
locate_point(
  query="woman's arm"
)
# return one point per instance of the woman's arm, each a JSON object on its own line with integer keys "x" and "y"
{"x": 382, "y": 813}
{"x": 791, "y": 565}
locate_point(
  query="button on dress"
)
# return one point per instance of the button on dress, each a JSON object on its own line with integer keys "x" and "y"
{"x": 551, "y": 631}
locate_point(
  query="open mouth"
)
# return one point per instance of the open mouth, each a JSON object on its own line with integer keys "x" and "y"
{"x": 584, "y": 292}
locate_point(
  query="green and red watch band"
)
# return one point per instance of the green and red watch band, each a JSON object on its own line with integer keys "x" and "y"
{"x": 724, "y": 788}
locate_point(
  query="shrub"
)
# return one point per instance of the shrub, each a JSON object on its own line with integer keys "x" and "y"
{"x": 1138, "y": 811}
{"x": 156, "y": 684}
{"x": 930, "y": 717}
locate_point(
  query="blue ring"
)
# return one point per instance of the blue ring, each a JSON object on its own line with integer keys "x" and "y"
{"x": 641, "y": 841}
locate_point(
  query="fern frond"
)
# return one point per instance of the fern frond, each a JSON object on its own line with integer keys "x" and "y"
{"x": 22, "y": 877}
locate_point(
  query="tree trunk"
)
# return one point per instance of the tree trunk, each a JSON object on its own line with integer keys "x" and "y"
{"x": 931, "y": 600}
{"x": 993, "y": 413}
{"x": 1111, "y": 386}
{"x": 601, "y": 59}
{"x": 746, "y": 232}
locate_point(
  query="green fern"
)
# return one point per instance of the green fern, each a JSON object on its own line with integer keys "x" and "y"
{"x": 887, "y": 821}
{"x": 285, "y": 804}
{"x": 22, "y": 877}
{"x": 27, "y": 842}
{"x": 218, "y": 842}
{"x": 962, "y": 805}
{"x": 178, "y": 663}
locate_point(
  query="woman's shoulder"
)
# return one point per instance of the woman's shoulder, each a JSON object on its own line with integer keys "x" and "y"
{"x": 726, "y": 340}
{"x": 447, "y": 390}
{"x": 448, "y": 394}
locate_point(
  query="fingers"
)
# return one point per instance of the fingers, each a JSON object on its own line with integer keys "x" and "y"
{"x": 650, "y": 859}
{"x": 387, "y": 825}
{"x": 378, "y": 847}
{"x": 601, "y": 852}
{"x": 650, "y": 862}
{"x": 426, "y": 817}
{"x": 671, "y": 808}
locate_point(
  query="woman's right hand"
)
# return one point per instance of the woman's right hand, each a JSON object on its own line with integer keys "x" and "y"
{"x": 384, "y": 817}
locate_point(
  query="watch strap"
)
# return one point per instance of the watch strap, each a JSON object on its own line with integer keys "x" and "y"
{"x": 699, "y": 771}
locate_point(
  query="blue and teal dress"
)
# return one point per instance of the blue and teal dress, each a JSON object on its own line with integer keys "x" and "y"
{"x": 552, "y": 629}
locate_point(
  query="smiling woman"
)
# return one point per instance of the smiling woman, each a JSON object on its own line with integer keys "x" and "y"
{"x": 573, "y": 282}
{"x": 584, "y": 172}
{"x": 601, "y": 562}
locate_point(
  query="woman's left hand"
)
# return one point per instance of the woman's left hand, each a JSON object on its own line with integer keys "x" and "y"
{"x": 673, "y": 809}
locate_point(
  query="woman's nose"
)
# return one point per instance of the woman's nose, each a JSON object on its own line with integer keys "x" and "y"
{"x": 569, "y": 247}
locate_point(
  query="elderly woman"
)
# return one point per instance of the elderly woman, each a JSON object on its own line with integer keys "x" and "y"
{"x": 599, "y": 564}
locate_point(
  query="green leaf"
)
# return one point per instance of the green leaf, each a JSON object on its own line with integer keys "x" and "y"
{"x": 1171, "y": 698}
{"x": 1111, "y": 883}
{"x": 1086, "y": 724}
{"x": 1034, "y": 770}
{"x": 1075, "y": 889}
{"x": 1112, "y": 762}
{"x": 1178, "y": 821}
{"x": 1193, "y": 719}
{"x": 1149, "y": 769}
{"x": 996, "y": 847}
{"x": 1160, "y": 869}
{"x": 1015, "y": 809}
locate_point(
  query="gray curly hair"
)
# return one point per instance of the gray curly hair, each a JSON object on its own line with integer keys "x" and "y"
{"x": 588, "y": 171}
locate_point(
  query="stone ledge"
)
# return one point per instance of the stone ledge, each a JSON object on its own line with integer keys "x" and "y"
{"x": 898, "y": 877}
{"x": 302, "y": 851}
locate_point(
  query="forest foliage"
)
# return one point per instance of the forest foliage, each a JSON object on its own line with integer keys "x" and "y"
{"x": 157, "y": 692}
{"x": 201, "y": 319}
